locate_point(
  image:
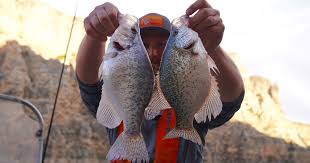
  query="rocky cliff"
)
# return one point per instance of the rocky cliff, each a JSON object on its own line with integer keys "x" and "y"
{"x": 30, "y": 68}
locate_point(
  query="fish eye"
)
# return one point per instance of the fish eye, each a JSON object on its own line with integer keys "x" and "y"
{"x": 133, "y": 30}
{"x": 175, "y": 32}
{"x": 118, "y": 46}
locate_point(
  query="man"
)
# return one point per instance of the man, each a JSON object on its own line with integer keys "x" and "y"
{"x": 102, "y": 22}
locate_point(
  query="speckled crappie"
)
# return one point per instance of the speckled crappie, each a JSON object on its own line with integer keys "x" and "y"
{"x": 186, "y": 80}
{"x": 127, "y": 90}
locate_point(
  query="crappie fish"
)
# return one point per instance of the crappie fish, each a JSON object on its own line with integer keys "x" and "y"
{"x": 127, "y": 90}
{"x": 186, "y": 80}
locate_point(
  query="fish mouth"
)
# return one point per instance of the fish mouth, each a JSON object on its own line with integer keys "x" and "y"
{"x": 190, "y": 45}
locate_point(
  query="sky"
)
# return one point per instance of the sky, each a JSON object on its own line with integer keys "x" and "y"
{"x": 271, "y": 36}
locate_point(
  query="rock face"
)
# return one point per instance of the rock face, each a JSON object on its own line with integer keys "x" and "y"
{"x": 75, "y": 134}
{"x": 259, "y": 131}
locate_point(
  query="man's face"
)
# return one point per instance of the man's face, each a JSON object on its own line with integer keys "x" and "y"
{"x": 155, "y": 42}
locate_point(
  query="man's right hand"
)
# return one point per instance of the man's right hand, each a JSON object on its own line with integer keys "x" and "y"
{"x": 102, "y": 22}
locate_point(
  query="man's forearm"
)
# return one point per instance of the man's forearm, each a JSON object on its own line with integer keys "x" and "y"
{"x": 88, "y": 60}
{"x": 229, "y": 79}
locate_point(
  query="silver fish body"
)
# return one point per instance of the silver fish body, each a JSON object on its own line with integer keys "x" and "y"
{"x": 185, "y": 78}
{"x": 127, "y": 90}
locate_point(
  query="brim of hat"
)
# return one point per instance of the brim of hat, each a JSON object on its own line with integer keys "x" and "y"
{"x": 154, "y": 29}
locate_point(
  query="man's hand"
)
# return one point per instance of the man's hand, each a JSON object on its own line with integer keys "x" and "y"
{"x": 207, "y": 23}
{"x": 102, "y": 21}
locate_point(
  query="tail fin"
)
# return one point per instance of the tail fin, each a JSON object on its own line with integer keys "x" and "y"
{"x": 189, "y": 134}
{"x": 128, "y": 147}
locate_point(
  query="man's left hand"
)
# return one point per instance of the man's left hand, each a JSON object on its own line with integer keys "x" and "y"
{"x": 207, "y": 23}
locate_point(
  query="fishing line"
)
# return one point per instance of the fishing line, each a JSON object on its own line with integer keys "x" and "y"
{"x": 59, "y": 84}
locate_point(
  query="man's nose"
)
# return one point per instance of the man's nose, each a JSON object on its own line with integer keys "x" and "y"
{"x": 151, "y": 51}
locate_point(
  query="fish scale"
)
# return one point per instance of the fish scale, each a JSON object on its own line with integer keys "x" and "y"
{"x": 127, "y": 90}
{"x": 124, "y": 85}
{"x": 185, "y": 80}
{"x": 180, "y": 80}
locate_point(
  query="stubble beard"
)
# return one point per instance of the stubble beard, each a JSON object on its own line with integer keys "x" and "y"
{"x": 155, "y": 68}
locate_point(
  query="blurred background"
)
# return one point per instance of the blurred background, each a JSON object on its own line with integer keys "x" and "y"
{"x": 268, "y": 40}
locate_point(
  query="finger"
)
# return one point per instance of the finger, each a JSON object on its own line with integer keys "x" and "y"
{"x": 218, "y": 27}
{"x": 95, "y": 23}
{"x": 113, "y": 13}
{"x": 196, "y": 6}
{"x": 208, "y": 22}
{"x": 201, "y": 15}
{"x": 89, "y": 29}
{"x": 105, "y": 22}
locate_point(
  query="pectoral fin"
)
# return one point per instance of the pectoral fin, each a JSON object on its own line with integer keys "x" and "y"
{"x": 212, "y": 106}
{"x": 106, "y": 114}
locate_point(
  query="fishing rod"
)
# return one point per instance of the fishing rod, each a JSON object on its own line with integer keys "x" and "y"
{"x": 59, "y": 84}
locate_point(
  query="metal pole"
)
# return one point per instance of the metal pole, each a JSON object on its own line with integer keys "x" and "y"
{"x": 39, "y": 133}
